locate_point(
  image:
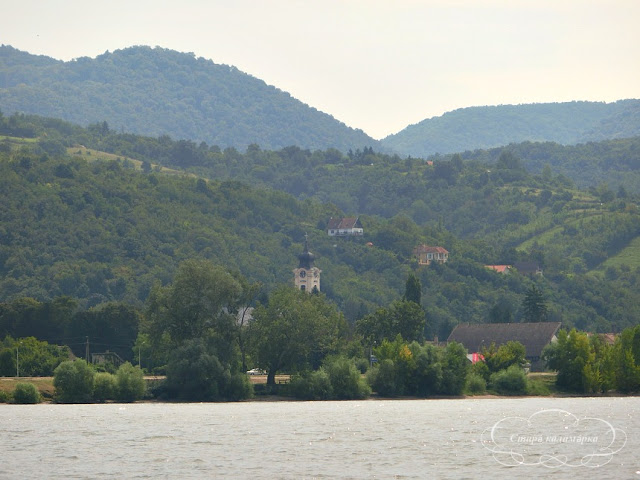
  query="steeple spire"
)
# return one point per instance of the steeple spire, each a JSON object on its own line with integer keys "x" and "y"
{"x": 306, "y": 257}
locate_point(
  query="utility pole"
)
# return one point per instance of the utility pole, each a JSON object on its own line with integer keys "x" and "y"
{"x": 17, "y": 360}
{"x": 87, "y": 350}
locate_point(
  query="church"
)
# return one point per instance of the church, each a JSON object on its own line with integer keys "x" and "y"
{"x": 307, "y": 277}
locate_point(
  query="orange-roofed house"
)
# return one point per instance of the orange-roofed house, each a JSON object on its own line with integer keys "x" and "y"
{"x": 426, "y": 254}
{"x": 499, "y": 268}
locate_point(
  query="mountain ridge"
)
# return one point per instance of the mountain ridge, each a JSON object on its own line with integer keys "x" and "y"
{"x": 157, "y": 91}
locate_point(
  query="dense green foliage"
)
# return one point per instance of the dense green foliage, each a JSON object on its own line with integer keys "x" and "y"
{"x": 107, "y": 326}
{"x": 195, "y": 373}
{"x": 26, "y": 393}
{"x": 73, "y": 381}
{"x": 30, "y": 357}
{"x": 337, "y": 379}
{"x": 589, "y": 364}
{"x": 56, "y": 207}
{"x": 105, "y": 387}
{"x": 510, "y": 381}
{"x": 295, "y": 330}
{"x": 611, "y": 165}
{"x": 155, "y": 91}
{"x": 485, "y": 127}
{"x": 190, "y": 327}
{"x": 130, "y": 383}
{"x": 419, "y": 370}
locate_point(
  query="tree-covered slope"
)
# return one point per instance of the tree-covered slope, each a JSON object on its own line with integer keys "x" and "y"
{"x": 154, "y": 91}
{"x": 615, "y": 163}
{"x": 96, "y": 226}
{"x": 493, "y": 126}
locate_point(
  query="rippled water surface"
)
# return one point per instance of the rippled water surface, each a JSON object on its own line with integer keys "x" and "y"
{"x": 296, "y": 440}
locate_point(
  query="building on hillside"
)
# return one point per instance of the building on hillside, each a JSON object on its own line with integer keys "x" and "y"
{"x": 425, "y": 254}
{"x": 307, "y": 276}
{"x": 534, "y": 337}
{"x": 504, "y": 269}
{"x": 528, "y": 268}
{"x": 345, "y": 227}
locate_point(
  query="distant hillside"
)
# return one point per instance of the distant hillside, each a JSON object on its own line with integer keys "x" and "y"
{"x": 104, "y": 224}
{"x": 154, "y": 91}
{"x": 488, "y": 127}
{"x": 612, "y": 162}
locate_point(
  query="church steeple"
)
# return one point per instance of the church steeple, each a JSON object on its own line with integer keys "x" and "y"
{"x": 307, "y": 277}
{"x": 306, "y": 257}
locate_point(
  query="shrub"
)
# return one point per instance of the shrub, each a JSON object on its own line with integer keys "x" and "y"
{"x": 195, "y": 373}
{"x": 5, "y": 397}
{"x": 73, "y": 381}
{"x": 476, "y": 384}
{"x": 130, "y": 383}
{"x": 362, "y": 364}
{"x": 26, "y": 393}
{"x": 382, "y": 379}
{"x": 346, "y": 380}
{"x": 312, "y": 386}
{"x": 511, "y": 381}
{"x": 237, "y": 386}
{"x": 481, "y": 369}
{"x": 104, "y": 387}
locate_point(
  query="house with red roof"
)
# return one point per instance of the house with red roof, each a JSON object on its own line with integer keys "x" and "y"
{"x": 426, "y": 254}
{"x": 504, "y": 269}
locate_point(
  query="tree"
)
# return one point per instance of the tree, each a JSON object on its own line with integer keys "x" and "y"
{"x": 195, "y": 373}
{"x": 413, "y": 289}
{"x": 130, "y": 383}
{"x": 569, "y": 356}
{"x": 196, "y": 305}
{"x": 73, "y": 382}
{"x": 404, "y": 318}
{"x": 295, "y": 330}
{"x": 501, "y": 358}
{"x": 534, "y": 306}
{"x": 455, "y": 367}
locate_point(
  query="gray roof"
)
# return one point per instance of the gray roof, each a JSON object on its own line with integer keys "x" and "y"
{"x": 534, "y": 336}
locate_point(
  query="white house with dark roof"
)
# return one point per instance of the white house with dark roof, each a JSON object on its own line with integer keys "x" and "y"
{"x": 346, "y": 226}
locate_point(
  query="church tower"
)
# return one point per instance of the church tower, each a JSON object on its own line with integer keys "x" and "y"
{"x": 307, "y": 277}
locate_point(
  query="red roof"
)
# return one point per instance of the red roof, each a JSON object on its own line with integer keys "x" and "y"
{"x": 499, "y": 268}
{"x": 427, "y": 249}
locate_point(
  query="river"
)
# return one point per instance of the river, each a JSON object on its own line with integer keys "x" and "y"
{"x": 398, "y": 439}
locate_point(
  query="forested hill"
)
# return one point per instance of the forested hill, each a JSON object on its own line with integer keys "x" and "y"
{"x": 487, "y": 127}
{"x": 155, "y": 91}
{"x": 102, "y": 227}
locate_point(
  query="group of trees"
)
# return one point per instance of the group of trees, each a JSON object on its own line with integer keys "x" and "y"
{"x": 587, "y": 363}
{"x": 76, "y": 381}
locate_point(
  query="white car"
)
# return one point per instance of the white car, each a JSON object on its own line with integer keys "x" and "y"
{"x": 256, "y": 371}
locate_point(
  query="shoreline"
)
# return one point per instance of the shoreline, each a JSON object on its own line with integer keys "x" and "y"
{"x": 46, "y": 389}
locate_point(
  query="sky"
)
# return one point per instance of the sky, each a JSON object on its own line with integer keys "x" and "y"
{"x": 376, "y": 65}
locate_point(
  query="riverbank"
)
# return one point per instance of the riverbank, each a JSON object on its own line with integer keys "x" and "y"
{"x": 543, "y": 386}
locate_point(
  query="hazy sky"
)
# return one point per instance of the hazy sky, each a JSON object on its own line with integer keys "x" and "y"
{"x": 377, "y": 65}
